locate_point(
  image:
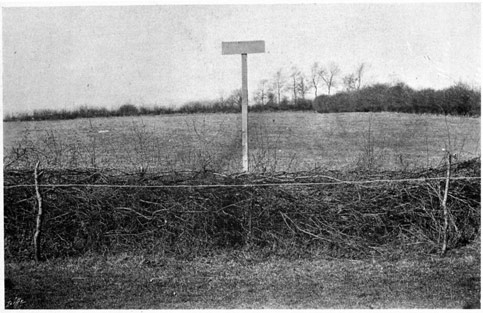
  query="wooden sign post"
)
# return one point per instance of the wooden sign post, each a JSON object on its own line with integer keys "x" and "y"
{"x": 243, "y": 48}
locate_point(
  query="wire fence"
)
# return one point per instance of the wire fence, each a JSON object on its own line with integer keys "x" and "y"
{"x": 342, "y": 213}
{"x": 337, "y": 182}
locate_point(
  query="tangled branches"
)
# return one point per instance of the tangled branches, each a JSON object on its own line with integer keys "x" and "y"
{"x": 344, "y": 220}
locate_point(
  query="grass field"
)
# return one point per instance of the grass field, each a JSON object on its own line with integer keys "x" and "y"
{"x": 244, "y": 281}
{"x": 288, "y": 141}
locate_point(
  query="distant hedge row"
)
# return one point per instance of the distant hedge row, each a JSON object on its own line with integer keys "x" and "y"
{"x": 455, "y": 100}
{"x": 132, "y": 110}
{"x": 88, "y": 112}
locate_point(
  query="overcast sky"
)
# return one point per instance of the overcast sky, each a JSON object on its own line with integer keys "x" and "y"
{"x": 64, "y": 57}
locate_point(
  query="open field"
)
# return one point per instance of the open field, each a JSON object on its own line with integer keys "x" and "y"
{"x": 288, "y": 141}
{"x": 245, "y": 281}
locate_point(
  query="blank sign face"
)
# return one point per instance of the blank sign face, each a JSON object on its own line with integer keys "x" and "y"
{"x": 243, "y": 47}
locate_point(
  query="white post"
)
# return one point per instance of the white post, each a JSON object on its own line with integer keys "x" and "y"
{"x": 243, "y": 48}
{"x": 244, "y": 112}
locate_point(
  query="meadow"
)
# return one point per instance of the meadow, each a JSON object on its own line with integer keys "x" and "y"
{"x": 286, "y": 141}
{"x": 313, "y": 247}
{"x": 244, "y": 281}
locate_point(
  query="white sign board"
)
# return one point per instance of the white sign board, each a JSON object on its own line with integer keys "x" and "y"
{"x": 243, "y": 47}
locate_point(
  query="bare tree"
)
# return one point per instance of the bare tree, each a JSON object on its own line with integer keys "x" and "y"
{"x": 315, "y": 74}
{"x": 359, "y": 73}
{"x": 221, "y": 92}
{"x": 329, "y": 76}
{"x": 294, "y": 77}
{"x": 235, "y": 98}
{"x": 261, "y": 94}
{"x": 303, "y": 86}
{"x": 350, "y": 82}
{"x": 278, "y": 85}
{"x": 353, "y": 81}
{"x": 270, "y": 97}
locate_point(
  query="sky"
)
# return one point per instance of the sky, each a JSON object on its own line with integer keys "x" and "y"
{"x": 166, "y": 55}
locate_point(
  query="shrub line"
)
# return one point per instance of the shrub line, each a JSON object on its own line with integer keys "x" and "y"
{"x": 287, "y": 218}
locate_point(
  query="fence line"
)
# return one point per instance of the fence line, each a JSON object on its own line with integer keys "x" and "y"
{"x": 341, "y": 182}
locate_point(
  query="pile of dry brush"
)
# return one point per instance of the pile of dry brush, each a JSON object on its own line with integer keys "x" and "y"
{"x": 341, "y": 220}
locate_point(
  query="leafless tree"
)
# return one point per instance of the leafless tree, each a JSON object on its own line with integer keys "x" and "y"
{"x": 353, "y": 81}
{"x": 329, "y": 76}
{"x": 315, "y": 74}
{"x": 303, "y": 86}
{"x": 261, "y": 94}
{"x": 278, "y": 85}
{"x": 235, "y": 98}
{"x": 221, "y": 99}
{"x": 294, "y": 77}
{"x": 350, "y": 82}
{"x": 359, "y": 73}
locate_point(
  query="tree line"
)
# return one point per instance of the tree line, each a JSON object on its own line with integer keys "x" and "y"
{"x": 288, "y": 92}
{"x": 458, "y": 99}
{"x": 295, "y": 86}
{"x": 293, "y": 90}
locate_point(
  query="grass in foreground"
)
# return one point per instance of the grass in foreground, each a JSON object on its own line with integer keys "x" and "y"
{"x": 242, "y": 280}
